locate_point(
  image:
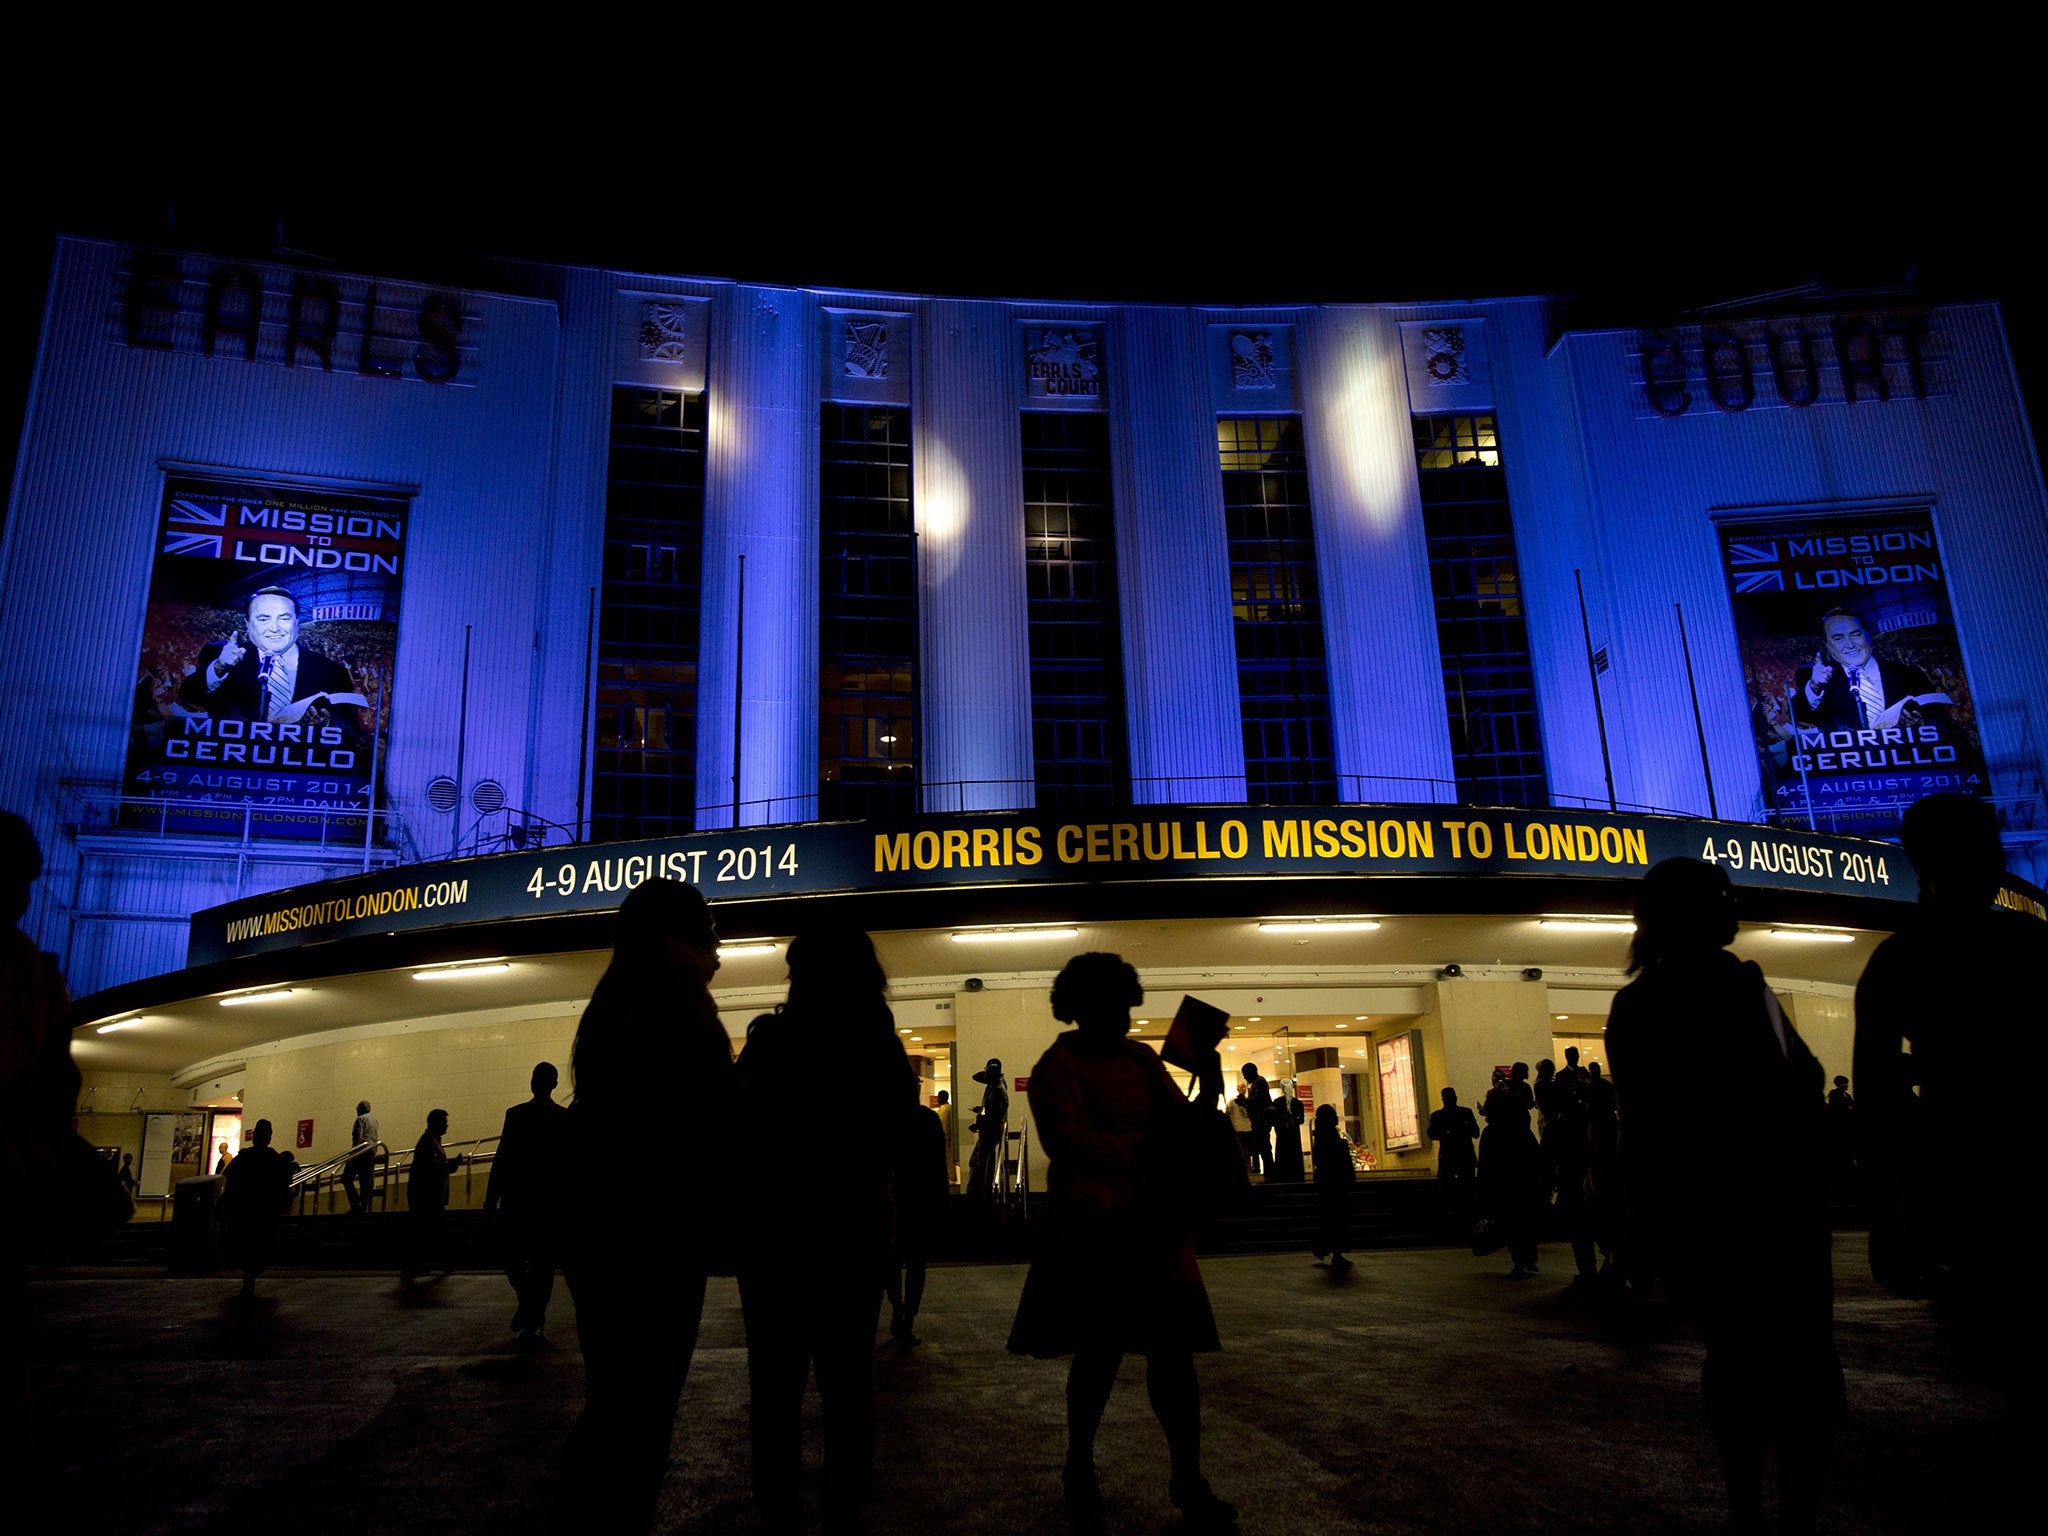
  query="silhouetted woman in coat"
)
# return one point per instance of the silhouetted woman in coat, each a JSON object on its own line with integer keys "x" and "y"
{"x": 1334, "y": 1177}
{"x": 1116, "y": 1273}
{"x": 818, "y": 1246}
{"x": 635, "y": 1265}
{"x": 1727, "y": 1191}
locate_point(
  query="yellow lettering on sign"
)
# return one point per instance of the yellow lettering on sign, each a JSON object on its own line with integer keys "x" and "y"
{"x": 956, "y": 847}
{"x": 1421, "y": 840}
{"x": 1481, "y": 837}
{"x": 1098, "y": 843}
{"x": 1029, "y": 850}
{"x": 1068, "y": 839}
{"x": 924, "y": 850}
{"x": 1507, "y": 832}
{"x": 1237, "y": 838}
{"x": 1283, "y": 839}
{"x": 986, "y": 843}
{"x": 1354, "y": 845}
{"x": 1125, "y": 836}
{"x": 1457, "y": 831}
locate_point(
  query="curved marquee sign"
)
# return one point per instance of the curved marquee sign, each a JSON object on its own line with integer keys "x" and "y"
{"x": 1029, "y": 847}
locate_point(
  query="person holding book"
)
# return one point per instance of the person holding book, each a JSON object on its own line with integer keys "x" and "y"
{"x": 1116, "y": 1272}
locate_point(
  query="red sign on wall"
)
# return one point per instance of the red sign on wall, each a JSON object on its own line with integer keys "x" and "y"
{"x": 1307, "y": 1095}
{"x": 1023, "y": 1083}
{"x": 305, "y": 1133}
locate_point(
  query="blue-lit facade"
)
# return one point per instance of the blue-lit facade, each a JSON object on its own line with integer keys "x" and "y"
{"x": 682, "y": 554}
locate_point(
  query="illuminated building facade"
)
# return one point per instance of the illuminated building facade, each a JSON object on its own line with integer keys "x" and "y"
{"x": 614, "y": 557}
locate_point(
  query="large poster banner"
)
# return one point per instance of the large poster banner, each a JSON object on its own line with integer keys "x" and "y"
{"x": 1858, "y": 700}
{"x": 265, "y": 677}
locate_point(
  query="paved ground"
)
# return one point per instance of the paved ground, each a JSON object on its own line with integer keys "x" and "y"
{"x": 1426, "y": 1394}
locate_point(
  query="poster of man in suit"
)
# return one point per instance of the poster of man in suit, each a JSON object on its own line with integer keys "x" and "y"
{"x": 1857, "y": 695}
{"x": 265, "y": 675}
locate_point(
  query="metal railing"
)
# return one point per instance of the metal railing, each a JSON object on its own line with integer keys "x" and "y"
{"x": 198, "y": 827}
{"x": 326, "y": 1178}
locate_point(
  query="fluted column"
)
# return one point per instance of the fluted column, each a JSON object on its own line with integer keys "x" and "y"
{"x": 761, "y": 501}
{"x": 1392, "y": 735}
{"x": 975, "y": 692}
{"x": 1173, "y": 563}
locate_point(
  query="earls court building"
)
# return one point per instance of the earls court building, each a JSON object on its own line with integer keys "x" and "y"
{"x": 1213, "y": 636}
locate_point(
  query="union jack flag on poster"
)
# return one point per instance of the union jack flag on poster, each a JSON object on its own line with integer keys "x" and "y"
{"x": 1858, "y": 701}
{"x": 180, "y": 534}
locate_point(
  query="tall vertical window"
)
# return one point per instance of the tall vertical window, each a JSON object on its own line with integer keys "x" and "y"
{"x": 1489, "y": 687}
{"x": 867, "y": 614}
{"x": 1282, "y": 674}
{"x": 1077, "y": 699}
{"x": 646, "y": 782}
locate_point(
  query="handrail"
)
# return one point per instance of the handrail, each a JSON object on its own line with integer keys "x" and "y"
{"x": 313, "y": 1174}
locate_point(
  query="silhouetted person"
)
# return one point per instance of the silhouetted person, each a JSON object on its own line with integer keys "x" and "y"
{"x": 1744, "y": 1241}
{"x": 38, "y": 1090}
{"x": 359, "y": 1173}
{"x": 919, "y": 1180}
{"x": 1518, "y": 1085}
{"x": 1239, "y": 1113}
{"x": 222, "y": 1157}
{"x": 1568, "y": 1163}
{"x": 1511, "y": 1180}
{"x": 526, "y": 1190}
{"x": 991, "y": 1124}
{"x": 1259, "y": 1100}
{"x": 1962, "y": 983}
{"x": 426, "y": 1200}
{"x": 1288, "y": 1116}
{"x": 1604, "y": 1195}
{"x": 1334, "y": 1176}
{"x": 818, "y": 1249}
{"x": 635, "y": 1271}
{"x": 253, "y": 1201}
{"x": 944, "y": 1110}
{"x": 1454, "y": 1130}
{"x": 1842, "y": 1137}
{"x": 1115, "y": 1271}
{"x": 1571, "y": 1071}
{"x": 127, "y": 1174}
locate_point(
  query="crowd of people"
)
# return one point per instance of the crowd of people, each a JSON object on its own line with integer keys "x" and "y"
{"x": 1634, "y": 1171}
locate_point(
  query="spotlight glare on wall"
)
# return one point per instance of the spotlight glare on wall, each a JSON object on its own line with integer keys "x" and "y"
{"x": 108, "y": 1029}
{"x": 445, "y": 972}
{"x": 971, "y": 935}
{"x": 275, "y": 994}
{"x": 1817, "y": 934}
